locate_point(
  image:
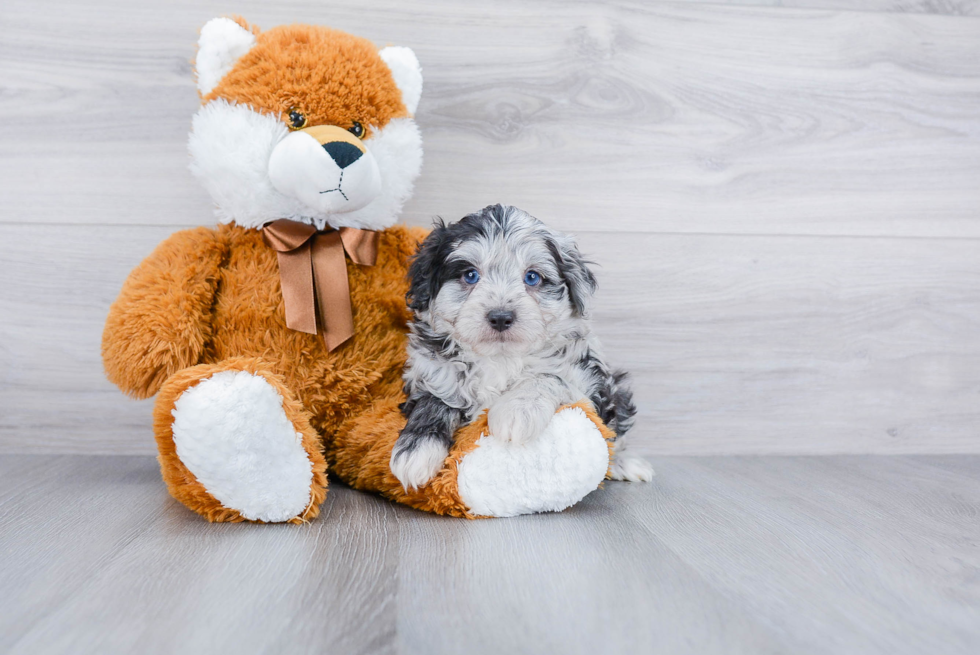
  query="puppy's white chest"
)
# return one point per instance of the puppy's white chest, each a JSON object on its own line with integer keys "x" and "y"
{"x": 491, "y": 378}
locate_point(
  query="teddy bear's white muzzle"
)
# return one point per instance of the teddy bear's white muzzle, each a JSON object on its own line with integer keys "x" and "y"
{"x": 326, "y": 169}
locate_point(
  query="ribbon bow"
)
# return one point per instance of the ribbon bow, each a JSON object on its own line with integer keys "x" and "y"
{"x": 313, "y": 274}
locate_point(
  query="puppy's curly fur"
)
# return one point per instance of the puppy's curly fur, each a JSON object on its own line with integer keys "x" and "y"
{"x": 501, "y": 321}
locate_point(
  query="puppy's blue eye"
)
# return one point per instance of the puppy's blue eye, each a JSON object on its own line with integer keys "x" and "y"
{"x": 471, "y": 276}
{"x": 532, "y": 279}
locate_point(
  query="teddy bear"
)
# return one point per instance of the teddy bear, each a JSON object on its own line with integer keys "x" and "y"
{"x": 275, "y": 342}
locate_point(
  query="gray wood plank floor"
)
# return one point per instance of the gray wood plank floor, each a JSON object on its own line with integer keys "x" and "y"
{"x": 845, "y": 554}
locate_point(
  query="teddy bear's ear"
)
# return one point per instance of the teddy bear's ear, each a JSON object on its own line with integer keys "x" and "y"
{"x": 222, "y": 42}
{"x": 405, "y": 69}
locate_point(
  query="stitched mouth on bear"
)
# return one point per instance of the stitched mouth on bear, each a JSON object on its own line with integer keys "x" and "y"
{"x": 340, "y": 183}
{"x": 335, "y": 177}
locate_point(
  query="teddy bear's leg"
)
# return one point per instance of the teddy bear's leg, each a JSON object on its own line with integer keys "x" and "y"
{"x": 482, "y": 476}
{"x": 548, "y": 473}
{"x": 236, "y": 445}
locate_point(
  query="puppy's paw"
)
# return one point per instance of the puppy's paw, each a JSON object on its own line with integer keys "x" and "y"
{"x": 418, "y": 463}
{"x": 519, "y": 419}
{"x": 630, "y": 467}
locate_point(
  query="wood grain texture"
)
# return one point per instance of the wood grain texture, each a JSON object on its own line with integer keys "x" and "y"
{"x": 950, "y": 7}
{"x": 786, "y": 344}
{"x": 736, "y": 344}
{"x": 625, "y": 116}
{"x": 783, "y": 198}
{"x": 807, "y": 555}
{"x": 106, "y": 546}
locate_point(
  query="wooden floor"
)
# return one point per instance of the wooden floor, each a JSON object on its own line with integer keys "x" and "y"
{"x": 846, "y": 554}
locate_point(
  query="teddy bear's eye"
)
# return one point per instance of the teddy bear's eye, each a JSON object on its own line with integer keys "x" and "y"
{"x": 297, "y": 119}
{"x": 356, "y": 129}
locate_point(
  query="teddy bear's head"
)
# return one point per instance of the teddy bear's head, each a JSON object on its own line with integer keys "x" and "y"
{"x": 305, "y": 123}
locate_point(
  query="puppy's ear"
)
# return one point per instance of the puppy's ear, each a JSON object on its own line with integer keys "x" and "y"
{"x": 426, "y": 270}
{"x": 574, "y": 271}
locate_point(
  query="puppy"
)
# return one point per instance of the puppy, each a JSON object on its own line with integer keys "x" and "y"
{"x": 500, "y": 305}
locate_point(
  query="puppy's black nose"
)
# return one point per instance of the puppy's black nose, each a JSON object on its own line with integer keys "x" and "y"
{"x": 500, "y": 319}
{"x": 342, "y": 152}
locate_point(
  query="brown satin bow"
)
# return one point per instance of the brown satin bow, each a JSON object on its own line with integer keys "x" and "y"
{"x": 313, "y": 273}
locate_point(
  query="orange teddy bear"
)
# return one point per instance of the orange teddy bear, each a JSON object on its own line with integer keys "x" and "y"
{"x": 275, "y": 342}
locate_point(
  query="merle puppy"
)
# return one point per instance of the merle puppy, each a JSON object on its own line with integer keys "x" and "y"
{"x": 500, "y": 306}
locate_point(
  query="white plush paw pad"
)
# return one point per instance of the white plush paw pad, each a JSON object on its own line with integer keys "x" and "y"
{"x": 232, "y": 433}
{"x": 552, "y": 471}
{"x": 630, "y": 467}
{"x": 416, "y": 467}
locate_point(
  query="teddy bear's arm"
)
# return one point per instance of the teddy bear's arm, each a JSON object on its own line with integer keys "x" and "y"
{"x": 161, "y": 320}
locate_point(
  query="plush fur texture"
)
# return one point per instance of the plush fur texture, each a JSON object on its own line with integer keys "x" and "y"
{"x": 232, "y": 432}
{"x": 160, "y": 325}
{"x": 327, "y": 77}
{"x": 184, "y": 485}
{"x": 364, "y": 445}
{"x": 405, "y": 68}
{"x": 333, "y": 77}
{"x": 499, "y": 478}
{"x": 501, "y": 264}
{"x": 228, "y": 316}
{"x": 222, "y": 42}
{"x": 231, "y": 147}
{"x": 249, "y": 414}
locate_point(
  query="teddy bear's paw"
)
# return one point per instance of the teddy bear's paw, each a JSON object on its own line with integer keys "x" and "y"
{"x": 232, "y": 432}
{"x": 553, "y": 471}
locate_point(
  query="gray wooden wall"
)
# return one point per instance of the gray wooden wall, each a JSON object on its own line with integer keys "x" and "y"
{"x": 784, "y": 197}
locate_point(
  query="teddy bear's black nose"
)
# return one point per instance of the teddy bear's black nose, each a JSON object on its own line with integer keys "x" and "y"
{"x": 343, "y": 153}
